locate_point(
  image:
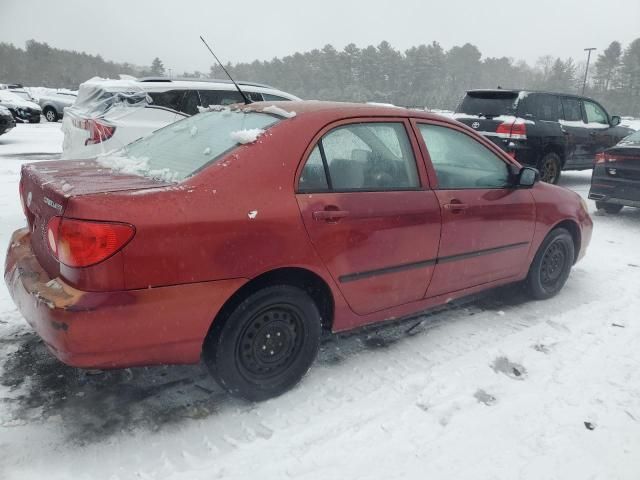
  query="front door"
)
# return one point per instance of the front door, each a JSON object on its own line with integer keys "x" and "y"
{"x": 487, "y": 225}
{"x": 600, "y": 130}
{"x": 370, "y": 218}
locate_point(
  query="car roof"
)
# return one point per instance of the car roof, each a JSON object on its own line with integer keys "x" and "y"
{"x": 524, "y": 91}
{"x": 201, "y": 80}
{"x": 347, "y": 110}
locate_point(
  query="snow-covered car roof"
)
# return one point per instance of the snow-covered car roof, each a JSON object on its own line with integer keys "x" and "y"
{"x": 161, "y": 84}
{"x": 17, "y": 100}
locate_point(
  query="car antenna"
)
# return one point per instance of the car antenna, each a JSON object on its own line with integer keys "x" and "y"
{"x": 246, "y": 99}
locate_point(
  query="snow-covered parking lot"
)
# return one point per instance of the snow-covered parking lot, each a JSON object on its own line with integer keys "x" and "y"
{"x": 499, "y": 388}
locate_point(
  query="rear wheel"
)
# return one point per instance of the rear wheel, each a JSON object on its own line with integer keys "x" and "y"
{"x": 550, "y": 168}
{"x": 609, "y": 207}
{"x": 552, "y": 264}
{"x": 50, "y": 114}
{"x": 266, "y": 344}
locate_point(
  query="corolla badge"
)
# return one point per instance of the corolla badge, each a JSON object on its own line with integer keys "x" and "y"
{"x": 476, "y": 125}
{"x": 52, "y": 204}
{"x": 29, "y": 198}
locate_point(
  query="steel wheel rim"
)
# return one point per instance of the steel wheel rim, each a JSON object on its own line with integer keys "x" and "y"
{"x": 270, "y": 342}
{"x": 549, "y": 171}
{"x": 553, "y": 264}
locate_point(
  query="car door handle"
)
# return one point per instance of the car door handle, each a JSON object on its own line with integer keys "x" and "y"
{"x": 330, "y": 215}
{"x": 456, "y": 206}
{"x": 593, "y": 134}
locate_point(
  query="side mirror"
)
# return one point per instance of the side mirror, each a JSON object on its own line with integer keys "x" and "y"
{"x": 615, "y": 121}
{"x": 527, "y": 177}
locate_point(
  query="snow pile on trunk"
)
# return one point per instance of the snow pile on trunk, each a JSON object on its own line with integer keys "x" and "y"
{"x": 279, "y": 111}
{"x": 246, "y": 136}
{"x": 135, "y": 166}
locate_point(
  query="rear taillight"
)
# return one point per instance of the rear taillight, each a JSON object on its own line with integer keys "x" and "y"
{"x": 82, "y": 243}
{"x": 99, "y": 131}
{"x": 513, "y": 130}
{"x": 602, "y": 158}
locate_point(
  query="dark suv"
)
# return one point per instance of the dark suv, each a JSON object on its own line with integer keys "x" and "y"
{"x": 550, "y": 131}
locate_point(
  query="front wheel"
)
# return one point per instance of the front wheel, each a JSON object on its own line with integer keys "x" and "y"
{"x": 550, "y": 168}
{"x": 609, "y": 207}
{"x": 266, "y": 344}
{"x": 552, "y": 264}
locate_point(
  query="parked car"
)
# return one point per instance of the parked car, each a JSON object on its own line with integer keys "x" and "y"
{"x": 109, "y": 114}
{"x": 7, "y": 121}
{"x": 550, "y": 131}
{"x": 239, "y": 234}
{"x": 615, "y": 182}
{"x": 22, "y": 93}
{"x": 22, "y": 110}
{"x": 53, "y": 104}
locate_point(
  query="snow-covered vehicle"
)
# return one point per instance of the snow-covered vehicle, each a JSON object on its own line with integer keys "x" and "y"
{"x": 22, "y": 110}
{"x": 7, "y": 121}
{"x": 109, "y": 114}
{"x": 53, "y": 104}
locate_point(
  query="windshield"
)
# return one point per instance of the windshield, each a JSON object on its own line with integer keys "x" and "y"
{"x": 179, "y": 150}
{"x": 490, "y": 104}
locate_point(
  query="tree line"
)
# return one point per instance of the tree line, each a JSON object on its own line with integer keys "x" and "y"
{"x": 421, "y": 76}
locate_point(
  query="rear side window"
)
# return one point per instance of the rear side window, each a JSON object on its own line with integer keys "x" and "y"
{"x": 493, "y": 103}
{"x": 595, "y": 114}
{"x": 171, "y": 99}
{"x": 226, "y": 97}
{"x": 362, "y": 157}
{"x": 274, "y": 98}
{"x": 546, "y": 107}
{"x": 461, "y": 162}
{"x": 572, "y": 109}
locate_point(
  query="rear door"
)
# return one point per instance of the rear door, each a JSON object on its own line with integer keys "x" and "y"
{"x": 487, "y": 225}
{"x": 579, "y": 154}
{"x": 369, "y": 212}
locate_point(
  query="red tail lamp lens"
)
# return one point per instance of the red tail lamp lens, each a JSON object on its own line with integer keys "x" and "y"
{"x": 82, "y": 243}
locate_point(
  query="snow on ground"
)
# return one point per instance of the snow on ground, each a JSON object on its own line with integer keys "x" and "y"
{"x": 501, "y": 388}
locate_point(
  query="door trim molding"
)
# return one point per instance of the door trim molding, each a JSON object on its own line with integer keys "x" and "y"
{"x": 353, "y": 277}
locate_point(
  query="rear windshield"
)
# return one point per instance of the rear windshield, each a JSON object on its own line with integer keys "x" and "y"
{"x": 179, "y": 150}
{"x": 489, "y": 104}
{"x": 633, "y": 138}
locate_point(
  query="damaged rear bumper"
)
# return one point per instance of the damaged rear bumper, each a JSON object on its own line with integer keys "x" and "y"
{"x": 165, "y": 325}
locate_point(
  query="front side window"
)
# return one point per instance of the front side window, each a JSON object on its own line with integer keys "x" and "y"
{"x": 226, "y": 97}
{"x": 181, "y": 149}
{"x": 363, "y": 156}
{"x": 171, "y": 99}
{"x": 572, "y": 110}
{"x": 461, "y": 162}
{"x": 595, "y": 114}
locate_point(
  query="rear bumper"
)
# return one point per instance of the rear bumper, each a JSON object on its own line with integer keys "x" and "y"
{"x": 119, "y": 329}
{"x": 618, "y": 191}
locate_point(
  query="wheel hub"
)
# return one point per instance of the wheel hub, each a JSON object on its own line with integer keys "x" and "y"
{"x": 270, "y": 341}
{"x": 553, "y": 263}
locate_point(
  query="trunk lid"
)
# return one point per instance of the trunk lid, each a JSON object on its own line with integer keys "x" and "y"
{"x": 47, "y": 188}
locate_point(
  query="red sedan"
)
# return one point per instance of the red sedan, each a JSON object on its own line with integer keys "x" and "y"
{"x": 238, "y": 235}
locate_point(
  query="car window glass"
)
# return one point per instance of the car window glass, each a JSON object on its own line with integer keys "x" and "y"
{"x": 313, "y": 177}
{"x": 226, "y": 97}
{"x": 462, "y": 162}
{"x": 171, "y": 99}
{"x": 595, "y": 114}
{"x": 190, "y": 103}
{"x": 274, "y": 98}
{"x": 572, "y": 110}
{"x": 370, "y": 156}
{"x": 548, "y": 108}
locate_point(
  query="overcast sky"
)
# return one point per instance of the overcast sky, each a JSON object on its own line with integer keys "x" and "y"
{"x": 138, "y": 30}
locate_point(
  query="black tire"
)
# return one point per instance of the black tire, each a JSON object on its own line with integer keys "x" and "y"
{"x": 552, "y": 264}
{"x": 611, "y": 208}
{"x": 50, "y": 114}
{"x": 550, "y": 168}
{"x": 266, "y": 344}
